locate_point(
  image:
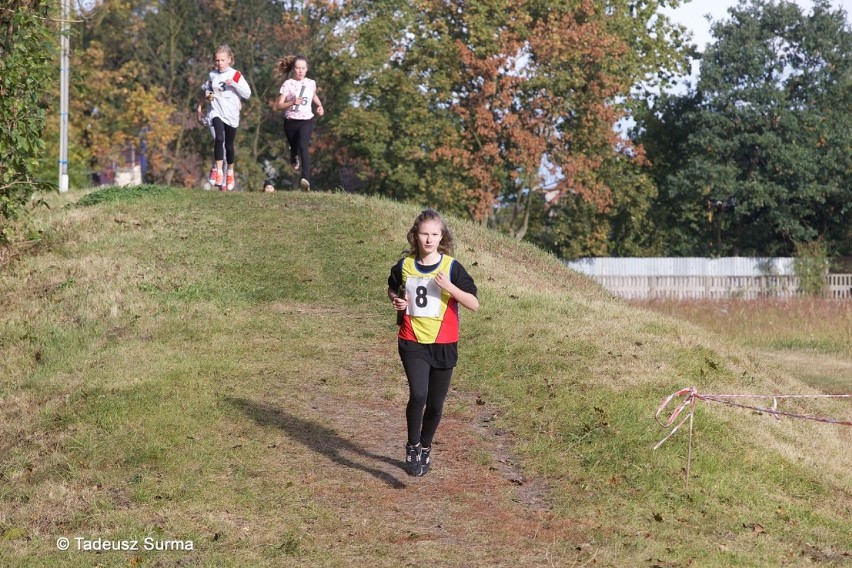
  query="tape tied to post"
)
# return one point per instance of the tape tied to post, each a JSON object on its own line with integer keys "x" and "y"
{"x": 685, "y": 411}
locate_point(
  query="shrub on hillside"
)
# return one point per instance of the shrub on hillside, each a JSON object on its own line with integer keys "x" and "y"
{"x": 27, "y": 48}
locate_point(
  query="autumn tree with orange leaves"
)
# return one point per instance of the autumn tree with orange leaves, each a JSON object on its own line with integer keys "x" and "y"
{"x": 503, "y": 110}
{"x": 521, "y": 128}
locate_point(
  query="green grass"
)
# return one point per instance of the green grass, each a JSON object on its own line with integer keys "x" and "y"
{"x": 221, "y": 369}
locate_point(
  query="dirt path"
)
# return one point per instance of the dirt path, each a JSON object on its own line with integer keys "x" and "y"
{"x": 474, "y": 508}
{"x": 340, "y": 436}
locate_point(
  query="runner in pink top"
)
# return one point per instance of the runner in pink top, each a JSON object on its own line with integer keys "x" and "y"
{"x": 295, "y": 98}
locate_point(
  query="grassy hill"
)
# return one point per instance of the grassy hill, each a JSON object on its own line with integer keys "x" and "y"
{"x": 219, "y": 372}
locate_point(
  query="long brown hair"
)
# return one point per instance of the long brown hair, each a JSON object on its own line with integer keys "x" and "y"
{"x": 284, "y": 65}
{"x": 447, "y": 244}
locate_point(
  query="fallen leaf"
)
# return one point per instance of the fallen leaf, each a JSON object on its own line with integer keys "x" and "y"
{"x": 756, "y": 528}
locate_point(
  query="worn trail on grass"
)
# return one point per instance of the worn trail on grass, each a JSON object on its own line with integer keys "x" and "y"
{"x": 473, "y": 509}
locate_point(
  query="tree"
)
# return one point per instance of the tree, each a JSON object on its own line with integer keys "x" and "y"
{"x": 758, "y": 156}
{"x": 386, "y": 123}
{"x": 574, "y": 228}
{"x": 486, "y": 103}
{"x": 141, "y": 64}
{"x": 116, "y": 109}
{"x": 26, "y": 67}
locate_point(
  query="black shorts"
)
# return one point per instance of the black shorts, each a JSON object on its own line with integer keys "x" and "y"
{"x": 439, "y": 355}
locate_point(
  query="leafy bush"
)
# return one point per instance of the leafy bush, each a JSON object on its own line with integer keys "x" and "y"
{"x": 26, "y": 65}
{"x": 811, "y": 266}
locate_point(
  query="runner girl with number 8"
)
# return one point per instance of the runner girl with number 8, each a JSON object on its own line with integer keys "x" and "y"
{"x": 427, "y": 286}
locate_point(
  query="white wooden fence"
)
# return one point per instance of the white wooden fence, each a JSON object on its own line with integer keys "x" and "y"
{"x": 717, "y": 287}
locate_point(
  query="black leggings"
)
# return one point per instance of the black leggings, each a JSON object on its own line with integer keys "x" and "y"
{"x": 427, "y": 389}
{"x": 223, "y": 147}
{"x": 298, "y": 133}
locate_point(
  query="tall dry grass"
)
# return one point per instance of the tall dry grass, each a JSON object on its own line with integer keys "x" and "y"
{"x": 810, "y": 338}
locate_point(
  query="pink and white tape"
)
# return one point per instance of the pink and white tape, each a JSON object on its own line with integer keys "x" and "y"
{"x": 690, "y": 395}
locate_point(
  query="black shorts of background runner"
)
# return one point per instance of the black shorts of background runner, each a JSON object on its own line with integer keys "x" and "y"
{"x": 223, "y": 147}
{"x": 298, "y": 133}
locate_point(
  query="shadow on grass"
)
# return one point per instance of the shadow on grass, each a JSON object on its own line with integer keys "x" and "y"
{"x": 317, "y": 437}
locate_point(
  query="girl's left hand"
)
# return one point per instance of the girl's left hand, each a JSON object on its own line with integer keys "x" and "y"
{"x": 443, "y": 280}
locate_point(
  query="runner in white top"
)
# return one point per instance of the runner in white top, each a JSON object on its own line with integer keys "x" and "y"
{"x": 224, "y": 92}
{"x": 295, "y": 97}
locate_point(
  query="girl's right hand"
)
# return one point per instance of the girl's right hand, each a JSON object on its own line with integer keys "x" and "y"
{"x": 400, "y": 303}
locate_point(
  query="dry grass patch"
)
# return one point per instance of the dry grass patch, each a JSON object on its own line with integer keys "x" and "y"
{"x": 809, "y": 339}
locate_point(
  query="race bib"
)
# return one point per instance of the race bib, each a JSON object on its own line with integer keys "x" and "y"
{"x": 424, "y": 297}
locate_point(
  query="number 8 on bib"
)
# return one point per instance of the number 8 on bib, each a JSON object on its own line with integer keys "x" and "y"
{"x": 424, "y": 297}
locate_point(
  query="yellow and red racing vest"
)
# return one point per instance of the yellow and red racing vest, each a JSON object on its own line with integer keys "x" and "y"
{"x": 433, "y": 314}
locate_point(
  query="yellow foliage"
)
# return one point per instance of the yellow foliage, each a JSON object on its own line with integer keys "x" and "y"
{"x": 117, "y": 107}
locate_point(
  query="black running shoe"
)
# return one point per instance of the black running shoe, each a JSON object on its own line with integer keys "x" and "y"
{"x": 425, "y": 460}
{"x": 296, "y": 163}
{"x": 413, "y": 466}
